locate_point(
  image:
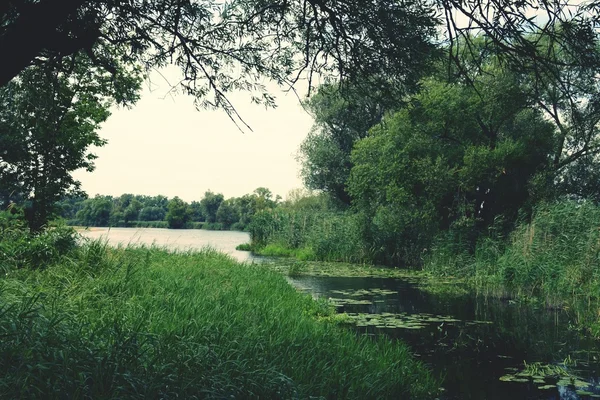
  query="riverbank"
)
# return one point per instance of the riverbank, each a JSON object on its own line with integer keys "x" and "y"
{"x": 142, "y": 323}
{"x": 552, "y": 260}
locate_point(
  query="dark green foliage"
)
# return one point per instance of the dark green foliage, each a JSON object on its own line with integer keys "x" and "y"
{"x": 130, "y": 210}
{"x": 384, "y": 43}
{"x": 21, "y": 249}
{"x": 151, "y": 214}
{"x": 554, "y": 257}
{"x": 48, "y": 120}
{"x": 196, "y": 211}
{"x": 456, "y": 158}
{"x": 343, "y": 116}
{"x": 210, "y": 205}
{"x": 96, "y": 211}
{"x": 149, "y": 224}
{"x": 244, "y": 247}
{"x": 177, "y": 214}
{"x": 227, "y": 214}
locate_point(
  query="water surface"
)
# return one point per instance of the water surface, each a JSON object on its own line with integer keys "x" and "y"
{"x": 484, "y": 348}
{"x": 180, "y": 239}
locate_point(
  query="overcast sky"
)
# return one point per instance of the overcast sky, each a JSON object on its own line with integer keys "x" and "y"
{"x": 163, "y": 145}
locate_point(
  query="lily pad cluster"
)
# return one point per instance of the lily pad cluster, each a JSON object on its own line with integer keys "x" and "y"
{"x": 342, "y": 302}
{"x": 550, "y": 376}
{"x": 399, "y": 320}
{"x": 364, "y": 292}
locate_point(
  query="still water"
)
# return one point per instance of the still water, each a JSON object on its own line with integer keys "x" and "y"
{"x": 483, "y": 348}
{"x": 180, "y": 239}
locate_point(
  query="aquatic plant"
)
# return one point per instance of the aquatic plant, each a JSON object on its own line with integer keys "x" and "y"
{"x": 549, "y": 376}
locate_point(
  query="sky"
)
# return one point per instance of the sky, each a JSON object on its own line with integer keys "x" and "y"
{"x": 163, "y": 145}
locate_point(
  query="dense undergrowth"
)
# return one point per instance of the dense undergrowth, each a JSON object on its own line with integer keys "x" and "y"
{"x": 308, "y": 235}
{"x": 95, "y": 322}
{"x": 553, "y": 258}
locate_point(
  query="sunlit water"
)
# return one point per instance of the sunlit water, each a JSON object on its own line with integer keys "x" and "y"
{"x": 479, "y": 346}
{"x": 180, "y": 239}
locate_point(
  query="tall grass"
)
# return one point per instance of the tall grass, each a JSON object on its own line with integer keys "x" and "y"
{"x": 146, "y": 323}
{"x": 555, "y": 257}
{"x": 308, "y": 235}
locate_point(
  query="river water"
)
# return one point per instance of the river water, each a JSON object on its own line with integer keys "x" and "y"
{"x": 180, "y": 239}
{"x": 483, "y": 348}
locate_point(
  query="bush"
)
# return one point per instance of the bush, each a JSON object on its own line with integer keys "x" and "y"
{"x": 20, "y": 249}
{"x": 555, "y": 257}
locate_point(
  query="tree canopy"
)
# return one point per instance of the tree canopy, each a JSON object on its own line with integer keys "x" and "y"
{"x": 48, "y": 120}
{"x": 225, "y": 46}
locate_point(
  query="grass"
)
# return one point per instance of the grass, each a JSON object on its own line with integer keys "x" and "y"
{"x": 244, "y": 247}
{"x": 308, "y": 235}
{"x": 554, "y": 259}
{"x": 277, "y": 250}
{"x": 145, "y": 323}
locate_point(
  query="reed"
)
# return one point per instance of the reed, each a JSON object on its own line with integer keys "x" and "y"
{"x": 148, "y": 323}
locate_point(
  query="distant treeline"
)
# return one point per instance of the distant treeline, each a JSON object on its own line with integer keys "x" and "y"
{"x": 213, "y": 211}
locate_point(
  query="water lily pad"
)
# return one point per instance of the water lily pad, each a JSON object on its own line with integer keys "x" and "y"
{"x": 546, "y": 387}
{"x": 584, "y": 393}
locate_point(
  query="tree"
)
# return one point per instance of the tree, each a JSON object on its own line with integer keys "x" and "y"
{"x": 152, "y": 214}
{"x": 226, "y": 46}
{"x": 96, "y": 211}
{"x": 48, "y": 120}
{"x": 228, "y": 214}
{"x": 132, "y": 211}
{"x": 210, "y": 205}
{"x": 177, "y": 214}
{"x": 196, "y": 211}
{"x": 459, "y": 157}
{"x": 342, "y": 117}
{"x": 388, "y": 41}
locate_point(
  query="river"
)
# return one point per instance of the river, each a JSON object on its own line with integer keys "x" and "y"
{"x": 483, "y": 347}
{"x": 180, "y": 239}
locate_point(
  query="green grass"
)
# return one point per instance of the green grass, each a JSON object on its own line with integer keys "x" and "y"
{"x": 554, "y": 259}
{"x": 278, "y": 250}
{"x": 145, "y": 323}
{"x": 244, "y": 247}
{"x": 324, "y": 236}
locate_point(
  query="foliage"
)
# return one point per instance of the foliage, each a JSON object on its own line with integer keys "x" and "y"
{"x": 458, "y": 157}
{"x": 21, "y": 249}
{"x": 210, "y": 205}
{"x": 177, "y": 214}
{"x": 48, "y": 121}
{"x": 196, "y": 211}
{"x": 95, "y": 212}
{"x": 221, "y": 47}
{"x": 227, "y": 213}
{"x": 328, "y": 236}
{"x": 130, "y": 210}
{"x": 555, "y": 257}
{"x": 343, "y": 115}
{"x": 184, "y": 325}
{"x": 151, "y": 214}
